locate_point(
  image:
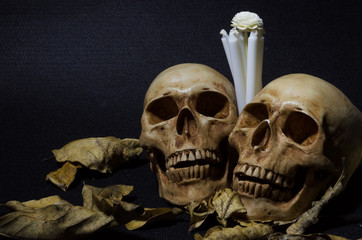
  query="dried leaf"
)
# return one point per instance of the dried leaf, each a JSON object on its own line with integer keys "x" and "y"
{"x": 198, "y": 213}
{"x": 51, "y": 218}
{"x": 109, "y": 201}
{"x": 152, "y": 215}
{"x": 43, "y": 202}
{"x": 103, "y": 154}
{"x": 227, "y": 204}
{"x": 109, "y": 194}
{"x": 64, "y": 176}
{"x": 252, "y": 232}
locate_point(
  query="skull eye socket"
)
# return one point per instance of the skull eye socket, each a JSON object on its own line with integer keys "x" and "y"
{"x": 253, "y": 114}
{"x": 212, "y": 104}
{"x": 301, "y": 128}
{"x": 162, "y": 109}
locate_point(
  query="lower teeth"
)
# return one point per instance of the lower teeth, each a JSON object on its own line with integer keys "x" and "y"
{"x": 193, "y": 172}
{"x": 258, "y": 190}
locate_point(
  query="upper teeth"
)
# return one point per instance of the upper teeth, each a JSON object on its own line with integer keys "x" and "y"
{"x": 265, "y": 174}
{"x": 191, "y": 155}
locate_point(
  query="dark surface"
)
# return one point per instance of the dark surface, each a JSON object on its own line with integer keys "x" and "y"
{"x": 77, "y": 69}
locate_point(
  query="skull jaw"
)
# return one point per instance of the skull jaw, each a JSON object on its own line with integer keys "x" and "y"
{"x": 196, "y": 188}
{"x": 265, "y": 209}
{"x": 187, "y": 191}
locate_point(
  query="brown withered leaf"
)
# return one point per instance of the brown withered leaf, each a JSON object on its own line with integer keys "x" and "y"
{"x": 109, "y": 201}
{"x": 151, "y": 216}
{"x": 199, "y": 211}
{"x": 93, "y": 195}
{"x": 64, "y": 176}
{"x": 252, "y": 232}
{"x": 227, "y": 204}
{"x": 103, "y": 154}
{"x": 51, "y": 218}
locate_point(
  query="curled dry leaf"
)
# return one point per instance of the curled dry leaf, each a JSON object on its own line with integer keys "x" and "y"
{"x": 64, "y": 176}
{"x": 92, "y": 195}
{"x": 103, "y": 154}
{"x": 225, "y": 203}
{"x": 109, "y": 201}
{"x": 252, "y": 232}
{"x": 198, "y": 213}
{"x": 151, "y": 216}
{"x": 51, "y": 218}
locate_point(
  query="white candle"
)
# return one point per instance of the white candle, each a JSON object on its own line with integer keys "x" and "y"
{"x": 253, "y": 73}
{"x": 237, "y": 69}
{"x": 259, "y": 70}
{"x": 243, "y": 45}
{"x": 225, "y": 43}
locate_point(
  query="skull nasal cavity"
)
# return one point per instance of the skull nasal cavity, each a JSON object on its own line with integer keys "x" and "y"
{"x": 186, "y": 123}
{"x": 261, "y": 135}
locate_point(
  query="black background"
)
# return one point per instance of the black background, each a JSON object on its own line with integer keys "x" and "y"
{"x": 77, "y": 69}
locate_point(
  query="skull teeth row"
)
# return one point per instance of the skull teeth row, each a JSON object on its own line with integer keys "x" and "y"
{"x": 267, "y": 175}
{"x": 191, "y": 155}
{"x": 258, "y": 190}
{"x": 196, "y": 172}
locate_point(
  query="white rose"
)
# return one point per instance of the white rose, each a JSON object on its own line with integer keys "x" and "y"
{"x": 247, "y": 21}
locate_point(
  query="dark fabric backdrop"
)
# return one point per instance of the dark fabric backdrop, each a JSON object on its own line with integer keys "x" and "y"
{"x": 77, "y": 69}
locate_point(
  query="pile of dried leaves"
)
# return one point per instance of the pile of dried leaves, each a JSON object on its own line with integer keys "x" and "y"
{"x": 55, "y": 218}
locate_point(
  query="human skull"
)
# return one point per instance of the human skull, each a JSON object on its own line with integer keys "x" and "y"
{"x": 189, "y": 112}
{"x": 291, "y": 140}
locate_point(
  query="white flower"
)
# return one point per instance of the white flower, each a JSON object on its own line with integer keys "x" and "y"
{"x": 247, "y": 21}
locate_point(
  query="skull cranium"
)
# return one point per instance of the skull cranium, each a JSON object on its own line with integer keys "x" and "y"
{"x": 291, "y": 140}
{"x": 189, "y": 112}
